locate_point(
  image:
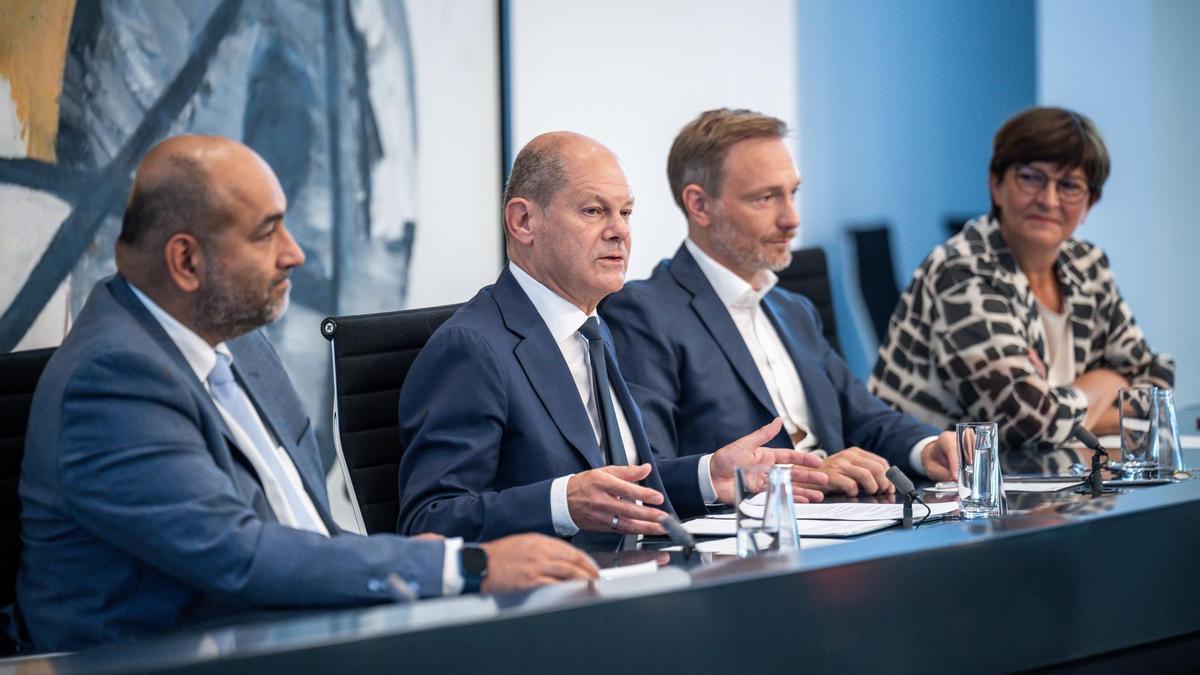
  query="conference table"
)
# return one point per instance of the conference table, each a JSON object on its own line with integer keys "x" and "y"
{"x": 1065, "y": 581}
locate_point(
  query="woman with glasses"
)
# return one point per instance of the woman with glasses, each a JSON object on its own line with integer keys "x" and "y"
{"x": 1013, "y": 319}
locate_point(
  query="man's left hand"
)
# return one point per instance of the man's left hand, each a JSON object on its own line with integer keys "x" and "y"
{"x": 940, "y": 457}
{"x": 748, "y": 451}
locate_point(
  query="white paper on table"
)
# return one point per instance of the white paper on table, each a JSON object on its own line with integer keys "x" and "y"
{"x": 622, "y": 571}
{"x": 753, "y": 507}
{"x": 1186, "y": 441}
{"x": 727, "y": 527}
{"x": 728, "y": 545}
{"x": 1038, "y": 486}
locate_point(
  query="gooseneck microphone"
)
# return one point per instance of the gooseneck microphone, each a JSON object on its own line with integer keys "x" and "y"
{"x": 1099, "y": 457}
{"x": 905, "y": 487}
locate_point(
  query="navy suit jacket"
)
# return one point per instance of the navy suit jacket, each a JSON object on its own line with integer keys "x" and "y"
{"x": 490, "y": 416}
{"x": 698, "y": 387}
{"x": 139, "y": 513}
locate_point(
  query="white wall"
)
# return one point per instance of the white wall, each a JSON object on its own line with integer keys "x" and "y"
{"x": 458, "y": 242}
{"x": 631, "y": 73}
{"x": 1134, "y": 68}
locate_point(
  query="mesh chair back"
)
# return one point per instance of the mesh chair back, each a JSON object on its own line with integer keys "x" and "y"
{"x": 372, "y": 354}
{"x": 808, "y": 275}
{"x": 19, "y": 373}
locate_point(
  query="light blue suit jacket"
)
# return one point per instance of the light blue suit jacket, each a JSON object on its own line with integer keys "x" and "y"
{"x": 139, "y": 513}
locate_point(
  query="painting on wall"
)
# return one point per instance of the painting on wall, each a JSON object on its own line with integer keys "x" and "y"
{"x": 322, "y": 89}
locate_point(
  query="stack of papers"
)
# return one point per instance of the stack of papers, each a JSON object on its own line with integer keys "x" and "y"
{"x": 726, "y": 526}
{"x": 728, "y": 546}
{"x": 753, "y": 507}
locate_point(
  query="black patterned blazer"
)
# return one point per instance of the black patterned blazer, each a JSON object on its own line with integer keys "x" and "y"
{"x": 957, "y": 344}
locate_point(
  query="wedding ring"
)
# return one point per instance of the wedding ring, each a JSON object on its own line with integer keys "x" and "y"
{"x": 613, "y": 524}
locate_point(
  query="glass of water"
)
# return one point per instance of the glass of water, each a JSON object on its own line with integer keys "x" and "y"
{"x": 1138, "y": 410}
{"x": 980, "y": 490}
{"x": 766, "y": 514}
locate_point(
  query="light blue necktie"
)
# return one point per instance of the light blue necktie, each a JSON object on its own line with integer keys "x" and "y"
{"x": 227, "y": 392}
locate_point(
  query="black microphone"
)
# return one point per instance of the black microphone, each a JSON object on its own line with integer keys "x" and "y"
{"x": 1099, "y": 458}
{"x": 902, "y": 483}
{"x": 906, "y": 488}
{"x": 1087, "y": 438}
{"x": 678, "y": 535}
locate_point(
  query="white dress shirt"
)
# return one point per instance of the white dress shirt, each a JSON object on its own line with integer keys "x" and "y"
{"x": 774, "y": 363}
{"x": 202, "y": 357}
{"x": 564, "y": 319}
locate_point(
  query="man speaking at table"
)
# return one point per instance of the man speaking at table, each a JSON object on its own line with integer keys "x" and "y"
{"x": 710, "y": 345}
{"x": 515, "y": 415}
{"x": 170, "y": 472}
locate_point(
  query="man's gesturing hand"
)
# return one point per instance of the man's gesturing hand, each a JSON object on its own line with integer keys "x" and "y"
{"x": 528, "y": 560}
{"x": 748, "y": 450}
{"x": 595, "y": 496}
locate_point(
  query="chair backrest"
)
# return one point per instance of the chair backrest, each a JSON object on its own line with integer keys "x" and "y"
{"x": 808, "y": 275}
{"x": 372, "y": 354}
{"x": 876, "y": 275}
{"x": 19, "y": 373}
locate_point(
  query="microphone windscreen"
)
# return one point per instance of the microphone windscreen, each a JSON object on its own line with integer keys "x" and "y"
{"x": 1086, "y": 437}
{"x": 903, "y": 485}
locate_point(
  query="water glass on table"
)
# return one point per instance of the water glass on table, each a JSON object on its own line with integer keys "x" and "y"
{"x": 1149, "y": 433}
{"x": 772, "y": 514}
{"x": 980, "y": 489}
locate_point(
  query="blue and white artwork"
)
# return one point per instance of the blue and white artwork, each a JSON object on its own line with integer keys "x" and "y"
{"x": 322, "y": 89}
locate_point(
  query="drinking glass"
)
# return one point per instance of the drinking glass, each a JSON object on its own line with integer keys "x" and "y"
{"x": 1138, "y": 408}
{"x": 1170, "y": 454}
{"x": 980, "y": 489}
{"x": 763, "y": 495}
{"x": 748, "y": 483}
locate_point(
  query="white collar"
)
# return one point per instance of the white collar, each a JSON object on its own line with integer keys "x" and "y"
{"x": 731, "y": 289}
{"x": 562, "y": 317}
{"x": 198, "y": 354}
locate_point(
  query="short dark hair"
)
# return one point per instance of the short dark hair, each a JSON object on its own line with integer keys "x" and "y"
{"x": 182, "y": 199}
{"x": 1056, "y": 135}
{"x": 698, "y": 153}
{"x": 537, "y": 173}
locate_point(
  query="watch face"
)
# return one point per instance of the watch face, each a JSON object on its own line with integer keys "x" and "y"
{"x": 474, "y": 561}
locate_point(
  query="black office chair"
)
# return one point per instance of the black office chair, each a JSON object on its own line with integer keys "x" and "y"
{"x": 19, "y": 373}
{"x": 808, "y": 275}
{"x": 372, "y": 354}
{"x": 876, "y": 276}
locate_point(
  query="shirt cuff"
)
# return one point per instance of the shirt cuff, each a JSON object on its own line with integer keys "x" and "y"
{"x": 452, "y": 578}
{"x": 914, "y": 455}
{"x": 708, "y": 491}
{"x": 560, "y": 512}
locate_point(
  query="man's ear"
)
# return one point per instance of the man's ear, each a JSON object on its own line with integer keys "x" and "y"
{"x": 185, "y": 261}
{"x": 697, "y": 205}
{"x": 518, "y": 216}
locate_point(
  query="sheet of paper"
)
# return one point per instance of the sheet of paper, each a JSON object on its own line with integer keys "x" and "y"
{"x": 1039, "y": 486}
{"x": 1186, "y": 441}
{"x": 753, "y": 507}
{"x": 622, "y": 571}
{"x": 726, "y": 527}
{"x": 728, "y": 545}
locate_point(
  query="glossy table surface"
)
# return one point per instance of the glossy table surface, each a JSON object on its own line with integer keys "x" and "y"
{"x": 1063, "y": 577}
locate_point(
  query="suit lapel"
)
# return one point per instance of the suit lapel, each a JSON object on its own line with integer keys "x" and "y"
{"x": 542, "y": 361}
{"x": 719, "y": 324}
{"x": 266, "y": 400}
{"x": 819, "y": 394}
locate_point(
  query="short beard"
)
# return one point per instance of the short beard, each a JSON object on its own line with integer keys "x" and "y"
{"x": 745, "y": 254}
{"x": 226, "y": 309}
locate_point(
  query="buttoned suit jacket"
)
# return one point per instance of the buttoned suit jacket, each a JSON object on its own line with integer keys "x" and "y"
{"x": 138, "y": 511}
{"x": 698, "y": 386}
{"x": 490, "y": 416}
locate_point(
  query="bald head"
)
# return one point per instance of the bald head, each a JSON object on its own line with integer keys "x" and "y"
{"x": 182, "y": 185}
{"x": 541, "y": 167}
{"x": 204, "y": 236}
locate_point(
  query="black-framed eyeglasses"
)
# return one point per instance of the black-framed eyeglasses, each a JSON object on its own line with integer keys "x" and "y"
{"x": 1032, "y": 181}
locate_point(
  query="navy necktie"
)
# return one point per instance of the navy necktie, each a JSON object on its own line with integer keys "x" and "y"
{"x": 610, "y": 443}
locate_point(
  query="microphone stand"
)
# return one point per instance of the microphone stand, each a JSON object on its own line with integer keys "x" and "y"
{"x": 1099, "y": 459}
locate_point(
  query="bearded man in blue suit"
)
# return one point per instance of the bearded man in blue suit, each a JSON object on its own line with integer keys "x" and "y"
{"x": 516, "y": 415}
{"x": 710, "y": 345}
{"x": 171, "y": 473}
